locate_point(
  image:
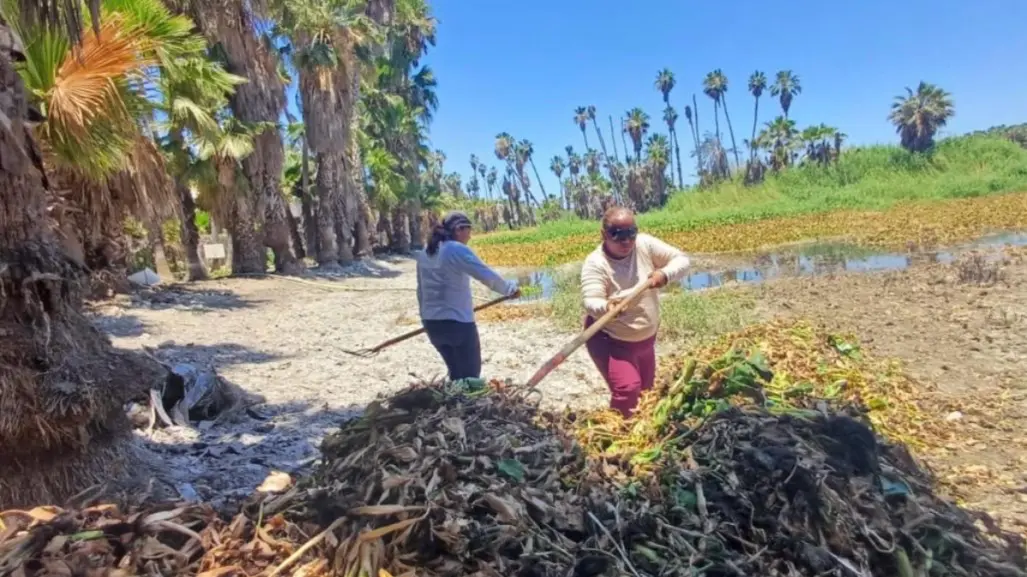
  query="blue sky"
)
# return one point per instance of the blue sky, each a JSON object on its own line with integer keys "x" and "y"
{"x": 523, "y": 66}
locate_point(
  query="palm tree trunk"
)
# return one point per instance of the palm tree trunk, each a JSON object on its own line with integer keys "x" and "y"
{"x": 696, "y": 129}
{"x": 538, "y": 179}
{"x": 716, "y": 122}
{"x": 677, "y": 155}
{"x": 307, "y": 203}
{"x": 755, "y": 120}
{"x": 623, "y": 140}
{"x": 56, "y": 369}
{"x": 730, "y": 130}
{"x": 602, "y": 142}
{"x": 416, "y": 236}
{"x": 613, "y": 139}
{"x": 190, "y": 234}
{"x": 294, "y": 233}
{"x": 585, "y": 136}
{"x": 400, "y": 228}
{"x": 356, "y": 196}
{"x": 328, "y": 174}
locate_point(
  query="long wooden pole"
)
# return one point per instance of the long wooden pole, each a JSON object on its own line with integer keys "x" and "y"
{"x": 586, "y": 334}
{"x": 411, "y": 334}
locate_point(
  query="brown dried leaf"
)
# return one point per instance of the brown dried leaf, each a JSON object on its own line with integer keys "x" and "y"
{"x": 376, "y": 510}
{"x": 506, "y": 510}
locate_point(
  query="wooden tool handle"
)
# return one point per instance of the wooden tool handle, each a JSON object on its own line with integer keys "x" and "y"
{"x": 415, "y": 332}
{"x": 586, "y": 334}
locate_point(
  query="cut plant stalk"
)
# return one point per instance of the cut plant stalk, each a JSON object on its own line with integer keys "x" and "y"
{"x": 370, "y": 352}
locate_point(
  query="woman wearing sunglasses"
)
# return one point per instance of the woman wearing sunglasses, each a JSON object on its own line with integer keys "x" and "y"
{"x": 625, "y": 350}
{"x": 444, "y": 272}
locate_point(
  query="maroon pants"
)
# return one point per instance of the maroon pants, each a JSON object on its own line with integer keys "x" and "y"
{"x": 628, "y": 368}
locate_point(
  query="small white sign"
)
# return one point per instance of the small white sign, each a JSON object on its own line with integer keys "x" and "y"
{"x": 214, "y": 251}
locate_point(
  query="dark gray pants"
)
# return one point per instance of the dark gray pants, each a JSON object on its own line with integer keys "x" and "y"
{"x": 459, "y": 346}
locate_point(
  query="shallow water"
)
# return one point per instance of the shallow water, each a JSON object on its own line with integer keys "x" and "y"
{"x": 814, "y": 259}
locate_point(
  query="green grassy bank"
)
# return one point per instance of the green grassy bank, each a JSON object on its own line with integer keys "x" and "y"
{"x": 867, "y": 179}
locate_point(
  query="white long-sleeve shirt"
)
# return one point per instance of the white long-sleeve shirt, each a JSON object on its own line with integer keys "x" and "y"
{"x": 444, "y": 282}
{"x": 604, "y": 278}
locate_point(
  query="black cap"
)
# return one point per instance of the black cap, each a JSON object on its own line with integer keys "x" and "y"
{"x": 455, "y": 220}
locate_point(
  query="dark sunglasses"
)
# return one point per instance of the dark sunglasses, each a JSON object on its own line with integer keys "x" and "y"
{"x": 622, "y": 234}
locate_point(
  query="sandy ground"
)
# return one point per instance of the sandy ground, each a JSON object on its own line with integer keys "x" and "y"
{"x": 285, "y": 340}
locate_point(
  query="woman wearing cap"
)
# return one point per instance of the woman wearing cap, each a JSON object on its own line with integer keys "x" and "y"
{"x": 444, "y": 272}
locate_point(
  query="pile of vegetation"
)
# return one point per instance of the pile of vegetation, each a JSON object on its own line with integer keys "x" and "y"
{"x": 739, "y": 469}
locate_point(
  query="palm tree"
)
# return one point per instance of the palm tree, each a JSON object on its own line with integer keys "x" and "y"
{"x": 757, "y": 84}
{"x": 636, "y": 125}
{"x": 613, "y": 139}
{"x": 529, "y": 152}
{"x": 474, "y": 172}
{"x": 711, "y": 88}
{"x": 557, "y": 165}
{"x": 581, "y": 119}
{"x": 716, "y": 85}
{"x": 658, "y": 157}
{"x": 191, "y": 94}
{"x": 483, "y": 173}
{"x": 259, "y": 101}
{"x": 917, "y": 116}
{"x": 55, "y": 367}
{"x": 786, "y": 86}
{"x": 670, "y": 116}
{"x": 693, "y": 127}
{"x": 665, "y": 83}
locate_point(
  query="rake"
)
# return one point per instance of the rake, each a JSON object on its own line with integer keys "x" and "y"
{"x": 368, "y": 353}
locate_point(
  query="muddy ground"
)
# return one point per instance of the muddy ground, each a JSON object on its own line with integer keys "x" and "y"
{"x": 967, "y": 338}
{"x": 284, "y": 340}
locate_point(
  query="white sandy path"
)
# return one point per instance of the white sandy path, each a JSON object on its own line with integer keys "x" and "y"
{"x": 284, "y": 340}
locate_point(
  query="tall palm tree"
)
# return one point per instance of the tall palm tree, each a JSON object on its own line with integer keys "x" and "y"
{"x": 670, "y": 116}
{"x": 917, "y": 116}
{"x": 665, "y": 83}
{"x": 716, "y": 85}
{"x": 757, "y": 84}
{"x": 490, "y": 180}
{"x": 474, "y": 171}
{"x": 581, "y": 119}
{"x": 613, "y": 139}
{"x": 786, "y": 87}
{"x": 483, "y": 173}
{"x": 658, "y": 158}
{"x": 529, "y": 152}
{"x": 557, "y": 165}
{"x": 231, "y": 25}
{"x": 191, "y": 94}
{"x": 693, "y": 127}
{"x": 711, "y": 88}
{"x": 55, "y": 367}
{"x": 636, "y": 125}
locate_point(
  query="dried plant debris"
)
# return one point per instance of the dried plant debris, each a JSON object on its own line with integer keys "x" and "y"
{"x": 466, "y": 479}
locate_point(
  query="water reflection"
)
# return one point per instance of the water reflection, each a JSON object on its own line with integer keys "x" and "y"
{"x": 810, "y": 260}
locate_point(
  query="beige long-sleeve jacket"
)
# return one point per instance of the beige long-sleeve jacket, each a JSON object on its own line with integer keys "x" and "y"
{"x": 603, "y": 278}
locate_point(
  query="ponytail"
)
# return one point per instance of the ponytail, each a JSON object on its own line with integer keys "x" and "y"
{"x": 438, "y": 235}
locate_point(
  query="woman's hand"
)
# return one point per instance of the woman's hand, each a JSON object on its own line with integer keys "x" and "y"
{"x": 516, "y": 294}
{"x": 613, "y": 302}
{"x": 658, "y": 279}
